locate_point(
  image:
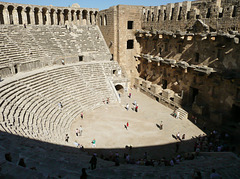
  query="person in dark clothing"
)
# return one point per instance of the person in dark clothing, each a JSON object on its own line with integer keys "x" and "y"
{"x": 93, "y": 162}
{"x": 84, "y": 174}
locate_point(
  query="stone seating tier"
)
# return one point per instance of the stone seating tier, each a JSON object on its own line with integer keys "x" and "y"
{"x": 19, "y": 44}
{"x": 29, "y": 105}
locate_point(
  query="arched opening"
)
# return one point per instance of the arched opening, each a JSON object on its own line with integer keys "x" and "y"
{"x": 119, "y": 88}
{"x": 101, "y": 21}
{"x": 44, "y": 17}
{"x": 15, "y": 69}
{"x": 52, "y": 11}
{"x": 105, "y": 20}
{"x": 1, "y": 14}
{"x": 96, "y": 15}
{"x": 65, "y": 14}
{"x": 10, "y": 12}
{"x": 91, "y": 20}
{"x": 19, "y": 12}
{"x": 28, "y": 15}
{"x": 72, "y": 15}
{"x": 36, "y": 18}
{"x": 84, "y": 17}
{"x": 78, "y": 15}
{"x": 58, "y": 16}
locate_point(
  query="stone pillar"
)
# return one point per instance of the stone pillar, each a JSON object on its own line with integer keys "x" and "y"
{"x": 61, "y": 18}
{"x": 31, "y": 14}
{"x": 48, "y": 22}
{"x": 40, "y": 17}
{"x": 80, "y": 18}
{"x": 6, "y": 16}
{"x": 88, "y": 18}
{"x": 24, "y": 16}
{"x": 55, "y": 17}
{"x": 74, "y": 18}
{"x": 69, "y": 17}
{"x": 15, "y": 16}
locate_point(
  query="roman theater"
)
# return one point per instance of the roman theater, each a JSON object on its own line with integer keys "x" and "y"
{"x": 148, "y": 91}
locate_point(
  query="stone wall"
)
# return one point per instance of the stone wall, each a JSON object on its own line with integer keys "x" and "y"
{"x": 219, "y": 15}
{"x": 119, "y": 33}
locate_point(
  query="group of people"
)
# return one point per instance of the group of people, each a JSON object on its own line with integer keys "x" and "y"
{"x": 176, "y": 114}
{"x": 135, "y": 106}
{"x": 107, "y": 101}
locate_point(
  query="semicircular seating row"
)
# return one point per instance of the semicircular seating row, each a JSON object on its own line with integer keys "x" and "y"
{"x": 29, "y": 106}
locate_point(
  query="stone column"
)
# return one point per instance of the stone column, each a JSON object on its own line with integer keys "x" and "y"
{"x": 31, "y": 14}
{"x": 74, "y": 18}
{"x": 40, "y": 17}
{"x": 6, "y": 16}
{"x": 88, "y": 18}
{"x": 15, "y": 16}
{"x": 24, "y": 16}
{"x": 61, "y": 18}
{"x": 55, "y": 17}
{"x": 79, "y": 21}
{"x": 69, "y": 17}
{"x": 48, "y": 22}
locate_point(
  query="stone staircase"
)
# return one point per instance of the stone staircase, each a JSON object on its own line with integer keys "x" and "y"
{"x": 182, "y": 113}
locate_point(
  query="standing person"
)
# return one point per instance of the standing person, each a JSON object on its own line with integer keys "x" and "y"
{"x": 77, "y": 132}
{"x": 66, "y": 138}
{"x": 127, "y": 106}
{"x": 81, "y": 115}
{"x": 127, "y": 124}
{"x": 215, "y": 175}
{"x": 135, "y": 102}
{"x": 136, "y": 108}
{"x": 93, "y": 162}
{"x": 183, "y": 136}
{"x": 80, "y": 130}
{"x": 130, "y": 95}
{"x": 178, "y": 136}
{"x": 93, "y": 143}
{"x": 177, "y": 117}
{"x": 108, "y": 100}
{"x": 60, "y": 105}
{"x": 84, "y": 174}
{"x": 161, "y": 125}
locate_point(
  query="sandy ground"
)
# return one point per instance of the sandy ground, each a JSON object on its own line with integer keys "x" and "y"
{"x": 106, "y": 124}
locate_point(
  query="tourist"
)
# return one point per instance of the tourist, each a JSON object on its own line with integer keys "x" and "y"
{"x": 127, "y": 106}
{"x": 215, "y": 175}
{"x": 127, "y": 124}
{"x": 81, "y": 115}
{"x": 66, "y": 138}
{"x": 197, "y": 175}
{"x": 108, "y": 100}
{"x": 60, "y": 105}
{"x": 77, "y": 132}
{"x": 84, "y": 174}
{"x": 183, "y": 136}
{"x": 93, "y": 162}
{"x": 177, "y": 116}
{"x": 63, "y": 62}
{"x": 178, "y": 136}
{"x": 76, "y": 144}
{"x": 134, "y": 103}
{"x": 93, "y": 143}
{"x": 80, "y": 130}
{"x": 161, "y": 126}
{"x": 136, "y": 108}
{"x": 130, "y": 95}
{"x": 21, "y": 162}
